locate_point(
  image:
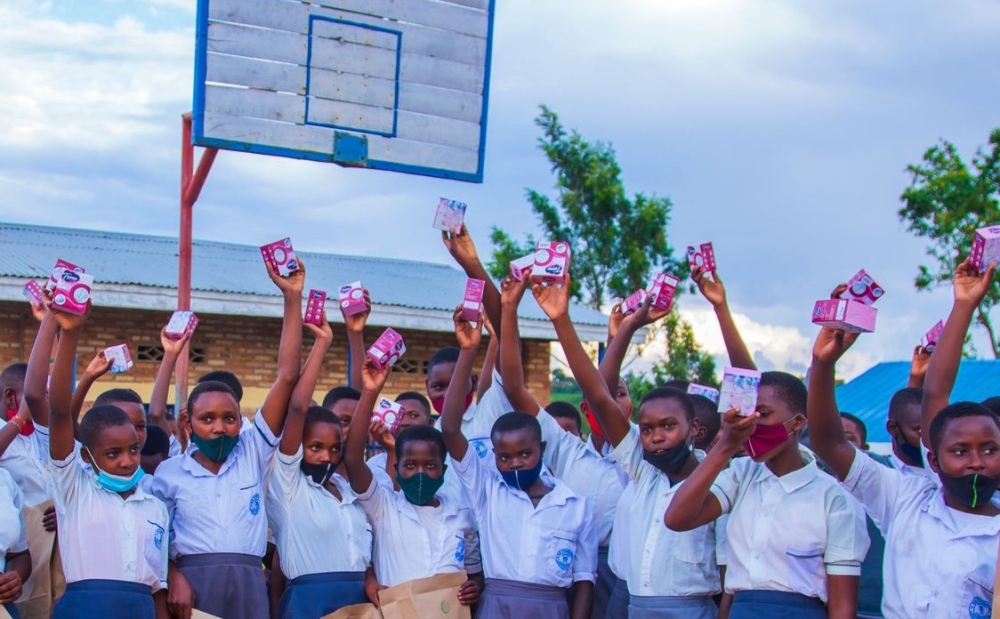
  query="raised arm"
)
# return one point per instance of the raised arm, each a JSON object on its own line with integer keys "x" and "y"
{"x": 275, "y": 407}
{"x": 469, "y": 338}
{"x": 172, "y": 350}
{"x": 356, "y": 340}
{"x": 554, "y": 301}
{"x": 826, "y": 431}
{"x": 918, "y": 367}
{"x": 372, "y": 381}
{"x": 694, "y": 504}
{"x": 511, "y": 366}
{"x": 462, "y": 248}
{"x": 713, "y": 289}
{"x": 624, "y": 330}
{"x": 298, "y": 405}
{"x": 98, "y": 367}
{"x": 489, "y": 361}
{"x": 38, "y": 370}
{"x": 61, "y": 441}
{"x": 970, "y": 290}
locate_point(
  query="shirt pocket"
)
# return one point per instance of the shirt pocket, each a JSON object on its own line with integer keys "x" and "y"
{"x": 251, "y": 500}
{"x": 975, "y": 598}
{"x": 154, "y": 545}
{"x": 805, "y": 568}
{"x": 690, "y": 546}
{"x": 561, "y": 551}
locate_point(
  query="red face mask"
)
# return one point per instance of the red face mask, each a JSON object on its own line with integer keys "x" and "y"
{"x": 438, "y": 403}
{"x": 765, "y": 438}
{"x": 595, "y": 425}
{"x": 29, "y": 427}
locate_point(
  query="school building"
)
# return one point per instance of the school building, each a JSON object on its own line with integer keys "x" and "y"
{"x": 239, "y": 308}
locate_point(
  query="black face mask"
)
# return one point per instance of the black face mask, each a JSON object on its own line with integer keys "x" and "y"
{"x": 670, "y": 461}
{"x": 318, "y": 472}
{"x": 971, "y": 490}
{"x": 912, "y": 452}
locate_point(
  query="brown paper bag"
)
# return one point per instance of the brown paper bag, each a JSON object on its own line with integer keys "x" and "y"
{"x": 200, "y": 614}
{"x": 355, "y": 611}
{"x": 425, "y": 598}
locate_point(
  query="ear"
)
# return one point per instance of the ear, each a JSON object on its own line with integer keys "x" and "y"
{"x": 865, "y": 447}
{"x": 697, "y": 430}
{"x": 10, "y": 398}
{"x": 798, "y": 422}
{"x": 891, "y": 427}
{"x": 932, "y": 460}
{"x": 85, "y": 456}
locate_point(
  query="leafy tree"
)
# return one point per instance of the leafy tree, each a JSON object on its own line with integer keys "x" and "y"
{"x": 685, "y": 359}
{"x": 946, "y": 202}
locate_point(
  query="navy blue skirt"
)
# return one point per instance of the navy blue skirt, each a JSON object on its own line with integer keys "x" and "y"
{"x": 316, "y": 595}
{"x": 776, "y": 605}
{"x": 105, "y": 599}
{"x": 227, "y": 585}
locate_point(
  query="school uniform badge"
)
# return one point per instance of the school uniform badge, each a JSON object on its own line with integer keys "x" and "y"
{"x": 158, "y": 537}
{"x": 564, "y": 558}
{"x": 980, "y": 608}
{"x": 480, "y": 449}
{"x": 255, "y": 504}
{"x": 460, "y": 550}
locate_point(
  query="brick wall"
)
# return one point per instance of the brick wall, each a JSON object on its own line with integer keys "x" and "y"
{"x": 246, "y": 346}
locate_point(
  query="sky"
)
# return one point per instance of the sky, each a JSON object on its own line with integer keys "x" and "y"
{"x": 779, "y": 129}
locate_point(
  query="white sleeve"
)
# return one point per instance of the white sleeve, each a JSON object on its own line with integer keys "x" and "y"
{"x": 264, "y": 441}
{"x": 475, "y": 477}
{"x": 628, "y": 454}
{"x": 375, "y": 501}
{"x": 880, "y": 489}
{"x": 726, "y": 486}
{"x": 175, "y": 446}
{"x": 67, "y": 478}
{"x": 847, "y": 538}
{"x": 489, "y": 408}
{"x": 286, "y": 476}
{"x": 585, "y": 563}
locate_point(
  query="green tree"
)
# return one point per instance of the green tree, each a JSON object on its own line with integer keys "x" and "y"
{"x": 946, "y": 202}
{"x": 685, "y": 359}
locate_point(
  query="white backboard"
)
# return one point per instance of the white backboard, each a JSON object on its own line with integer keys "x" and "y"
{"x": 398, "y": 85}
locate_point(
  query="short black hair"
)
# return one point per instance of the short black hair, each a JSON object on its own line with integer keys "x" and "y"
{"x": 97, "y": 419}
{"x": 413, "y": 395}
{"x": 448, "y": 354}
{"x": 227, "y": 377}
{"x": 788, "y": 388}
{"x": 13, "y": 376}
{"x": 707, "y": 414}
{"x": 565, "y": 410}
{"x": 119, "y": 394}
{"x": 209, "y": 386}
{"x": 340, "y": 393}
{"x": 993, "y": 404}
{"x": 954, "y": 411}
{"x": 671, "y": 393}
{"x": 421, "y": 433}
{"x": 677, "y": 384}
{"x": 904, "y": 398}
{"x": 862, "y": 428}
{"x": 157, "y": 442}
{"x": 510, "y": 422}
{"x": 318, "y": 414}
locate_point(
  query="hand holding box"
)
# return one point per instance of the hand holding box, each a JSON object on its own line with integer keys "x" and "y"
{"x": 72, "y": 292}
{"x": 121, "y": 359}
{"x": 450, "y": 215}
{"x": 551, "y": 263}
{"x": 387, "y": 349}
{"x": 739, "y": 391}
{"x": 633, "y": 302}
{"x": 863, "y": 288}
{"x": 662, "y": 289}
{"x": 701, "y": 257}
{"x": 281, "y": 256}
{"x": 352, "y": 299}
{"x": 180, "y": 323}
{"x": 846, "y": 314}
{"x": 389, "y": 413}
{"x": 521, "y": 267}
{"x": 315, "y": 307}
{"x": 930, "y": 340}
{"x": 472, "y": 302}
{"x": 33, "y": 293}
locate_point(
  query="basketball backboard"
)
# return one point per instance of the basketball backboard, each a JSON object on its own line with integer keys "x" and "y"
{"x": 399, "y": 85}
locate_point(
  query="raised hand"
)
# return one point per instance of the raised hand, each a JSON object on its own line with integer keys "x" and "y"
{"x": 615, "y": 320}
{"x": 647, "y": 314}
{"x": 380, "y": 434}
{"x": 468, "y": 336}
{"x": 554, "y": 300}
{"x": 356, "y": 323}
{"x": 294, "y": 283}
{"x": 322, "y": 331}
{"x": 71, "y": 322}
{"x": 372, "y": 376}
{"x": 736, "y": 429}
{"x": 512, "y": 291}
{"x": 98, "y": 366}
{"x": 710, "y": 285}
{"x": 970, "y": 285}
{"x": 460, "y": 245}
{"x": 172, "y": 346}
{"x": 831, "y": 344}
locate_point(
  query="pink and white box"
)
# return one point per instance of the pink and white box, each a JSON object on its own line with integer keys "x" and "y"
{"x": 181, "y": 321}
{"x": 72, "y": 291}
{"x": 986, "y": 247}
{"x": 701, "y": 256}
{"x": 863, "y": 288}
{"x": 388, "y": 412}
{"x": 704, "y": 390}
{"x": 121, "y": 360}
{"x": 739, "y": 391}
{"x": 315, "y": 306}
{"x": 853, "y": 316}
{"x": 281, "y": 257}
{"x": 387, "y": 349}
{"x": 450, "y": 215}
{"x": 930, "y": 340}
{"x": 472, "y": 303}
{"x": 33, "y": 293}
{"x": 61, "y": 265}
{"x": 551, "y": 263}
{"x": 352, "y": 299}
{"x": 633, "y": 302}
{"x": 521, "y": 268}
{"x": 662, "y": 289}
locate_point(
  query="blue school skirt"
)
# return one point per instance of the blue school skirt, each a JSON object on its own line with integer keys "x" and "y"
{"x": 12, "y": 611}
{"x": 671, "y": 607}
{"x": 316, "y": 595}
{"x": 105, "y": 599}
{"x": 776, "y": 605}
{"x": 511, "y": 599}
{"x": 227, "y": 585}
{"x": 618, "y": 605}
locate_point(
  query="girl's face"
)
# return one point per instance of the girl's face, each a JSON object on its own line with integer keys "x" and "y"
{"x": 663, "y": 424}
{"x": 414, "y": 414}
{"x": 420, "y": 457}
{"x": 115, "y": 451}
{"x": 774, "y": 411}
{"x": 215, "y": 413}
{"x": 322, "y": 443}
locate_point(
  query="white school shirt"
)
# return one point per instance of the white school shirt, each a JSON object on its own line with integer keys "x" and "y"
{"x": 315, "y": 533}
{"x": 219, "y": 513}
{"x": 938, "y": 562}
{"x": 586, "y": 473}
{"x": 788, "y": 533}
{"x": 618, "y": 547}
{"x": 553, "y": 544}
{"x": 175, "y": 446}
{"x": 110, "y": 538}
{"x": 478, "y": 420}
{"x": 25, "y": 459}
{"x": 404, "y": 547}
{"x": 663, "y": 562}
{"x": 12, "y": 533}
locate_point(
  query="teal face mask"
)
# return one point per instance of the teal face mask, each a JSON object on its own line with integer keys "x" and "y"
{"x": 216, "y": 449}
{"x": 116, "y": 483}
{"x": 419, "y": 489}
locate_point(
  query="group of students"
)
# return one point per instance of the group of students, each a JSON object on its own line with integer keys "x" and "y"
{"x": 667, "y": 510}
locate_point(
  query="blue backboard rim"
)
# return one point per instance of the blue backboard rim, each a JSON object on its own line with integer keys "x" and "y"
{"x": 198, "y": 114}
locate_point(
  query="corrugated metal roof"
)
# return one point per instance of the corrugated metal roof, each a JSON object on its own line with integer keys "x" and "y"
{"x": 868, "y": 395}
{"x": 137, "y": 259}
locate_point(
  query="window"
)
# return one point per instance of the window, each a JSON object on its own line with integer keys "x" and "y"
{"x": 155, "y": 353}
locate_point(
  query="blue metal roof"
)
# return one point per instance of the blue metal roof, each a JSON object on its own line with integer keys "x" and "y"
{"x": 868, "y": 395}
{"x": 124, "y": 258}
